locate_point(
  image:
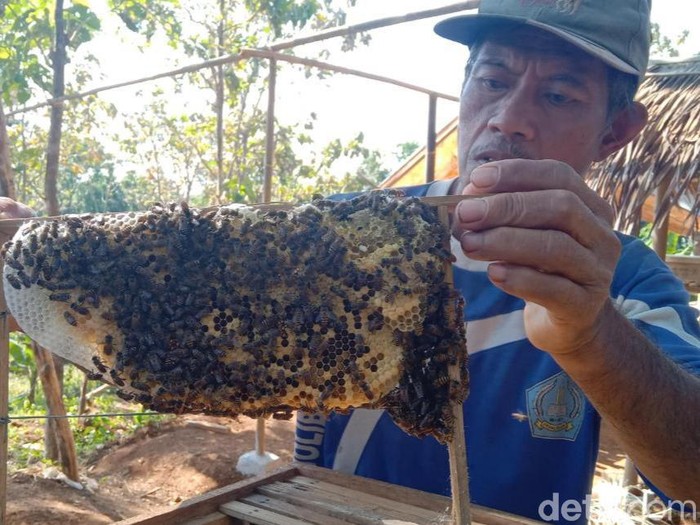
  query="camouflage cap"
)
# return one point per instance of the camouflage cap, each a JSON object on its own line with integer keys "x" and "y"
{"x": 615, "y": 31}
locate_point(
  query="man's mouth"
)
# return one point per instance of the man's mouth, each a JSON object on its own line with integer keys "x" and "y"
{"x": 491, "y": 156}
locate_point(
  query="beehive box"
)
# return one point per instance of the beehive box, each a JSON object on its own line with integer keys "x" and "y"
{"x": 687, "y": 268}
{"x": 307, "y": 495}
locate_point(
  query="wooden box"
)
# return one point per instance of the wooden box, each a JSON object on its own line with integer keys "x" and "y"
{"x": 687, "y": 268}
{"x": 307, "y": 495}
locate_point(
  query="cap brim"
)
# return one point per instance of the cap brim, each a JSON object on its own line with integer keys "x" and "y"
{"x": 466, "y": 28}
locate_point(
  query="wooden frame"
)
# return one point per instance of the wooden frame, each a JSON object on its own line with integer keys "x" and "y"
{"x": 307, "y": 495}
{"x": 687, "y": 268}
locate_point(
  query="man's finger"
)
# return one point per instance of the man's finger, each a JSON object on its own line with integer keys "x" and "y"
{"x": 547, "y": 251}
{"x": 515, "y": 175}
{"x": 10, "y": 209}
{"x": 548, "y": 209}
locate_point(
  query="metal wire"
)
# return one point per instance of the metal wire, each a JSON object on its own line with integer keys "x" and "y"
{"x": 4, "y": 420}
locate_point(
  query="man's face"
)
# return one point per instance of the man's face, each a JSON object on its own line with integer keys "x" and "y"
{"x": 532, "y": 103}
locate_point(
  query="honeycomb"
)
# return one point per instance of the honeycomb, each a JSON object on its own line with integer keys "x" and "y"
{"x": 255, "y": 311}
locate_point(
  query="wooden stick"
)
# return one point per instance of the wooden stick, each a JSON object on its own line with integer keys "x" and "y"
{"x": 457, "y": 448}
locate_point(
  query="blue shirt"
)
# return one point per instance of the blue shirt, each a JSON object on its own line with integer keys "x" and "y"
{"x": 531, "y": 432}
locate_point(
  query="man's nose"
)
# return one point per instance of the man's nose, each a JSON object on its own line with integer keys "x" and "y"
{"x": 514, "y": 116}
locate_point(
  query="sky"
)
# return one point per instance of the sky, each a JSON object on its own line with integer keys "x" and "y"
{"x": 346, "y": 105}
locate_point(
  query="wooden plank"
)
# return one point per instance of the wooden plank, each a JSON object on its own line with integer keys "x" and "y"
{"x": 418, "y": 498}
{"x": 210, "y": 501}
{"x": 287, "y": 509}
{"x": 215, "y": 518}
{"x": 391, "y": 508}
{"x": 258, "y": 516}
{"x": 314, "y": 502}
{"x": 435, "y": 502}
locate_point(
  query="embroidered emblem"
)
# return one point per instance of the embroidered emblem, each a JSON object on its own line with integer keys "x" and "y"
{"x": 568, "y": 6}
{"x": 565, "y": 6}
{"x": 555, "y": 408}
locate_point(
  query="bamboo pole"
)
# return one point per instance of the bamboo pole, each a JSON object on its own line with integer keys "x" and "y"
{"x": 230, "y": 59}
{"x": 279, "y": 46}
{"x": 376, "y": 24}
{"x": 432, "y": 139}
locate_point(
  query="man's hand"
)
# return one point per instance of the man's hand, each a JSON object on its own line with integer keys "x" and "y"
{"x": 10, "y": 209}
{"x": 552, "y": 243}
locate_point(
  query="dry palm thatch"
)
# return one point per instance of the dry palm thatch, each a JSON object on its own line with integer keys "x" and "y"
{"x": 665, "y": 155}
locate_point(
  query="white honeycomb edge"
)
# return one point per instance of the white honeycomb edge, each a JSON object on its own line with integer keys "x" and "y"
{"x": 43, "y": 319}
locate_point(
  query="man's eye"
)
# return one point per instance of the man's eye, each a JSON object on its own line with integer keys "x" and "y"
{"x": 558, "y": 99}
{"x": 492, "y": 84}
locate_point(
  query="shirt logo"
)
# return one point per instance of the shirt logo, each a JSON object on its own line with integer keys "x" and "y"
{"x": 555, "y": 408}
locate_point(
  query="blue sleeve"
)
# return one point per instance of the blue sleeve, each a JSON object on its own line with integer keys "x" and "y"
{"x": 654, "y": 299}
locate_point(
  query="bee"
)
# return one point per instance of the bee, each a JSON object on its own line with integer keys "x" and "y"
{"x": 375, "y": 323}
{"x": 99, "y": 364}
{"x": 53, "y": 229}
{"x": 359, "y": 379}
{"x": 126, "y": 396}
{"x": 33, "y": 242}
{"x": 14, "y": 264}
{"x": 108, "y": 347}
{"x": 79, "y": 309}
{"x": 60, "y": 296}
{"x": 441, "y": 381}
{"x": 24, "y": 279}
{"x": 115, "y": 377}
{"x": 69, "y": 318}
{"x": 139, "y": 385}
{"x": 401, "y": 276}
{"x": 17, "y": 250}
{"x": 144, "y": 398}
{"x": 14, "y": 281}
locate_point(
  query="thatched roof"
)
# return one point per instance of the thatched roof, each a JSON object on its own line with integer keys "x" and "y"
{"x": 668, "y": 147}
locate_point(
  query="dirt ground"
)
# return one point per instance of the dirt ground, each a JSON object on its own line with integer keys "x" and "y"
{"x": 163, "y": 466}
{"x": 156, "y": 468}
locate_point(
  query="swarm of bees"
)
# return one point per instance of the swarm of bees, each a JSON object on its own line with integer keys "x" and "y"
{"x": 241, "y": 310}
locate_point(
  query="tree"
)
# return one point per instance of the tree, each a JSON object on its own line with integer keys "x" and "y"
{"x": 35, "y": 39}
{"x": 663, "y": 46}
{"x": 233, "y": 156}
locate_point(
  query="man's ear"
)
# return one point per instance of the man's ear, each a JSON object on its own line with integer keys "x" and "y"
{"x": 625, "y": 126}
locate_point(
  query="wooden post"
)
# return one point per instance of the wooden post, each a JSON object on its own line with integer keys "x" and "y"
{"x": 4, "y": 397}
{"x": 660, "y": 234}
{"x": 267, "y": 197}
{"x": 432, "y": 138}
{"x": 54, "y": 402}
{"x": 260, "y": 437}
{"x": 270, "y": 138}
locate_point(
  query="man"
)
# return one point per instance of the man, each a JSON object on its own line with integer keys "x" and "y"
{"x": 570, "y": 322}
